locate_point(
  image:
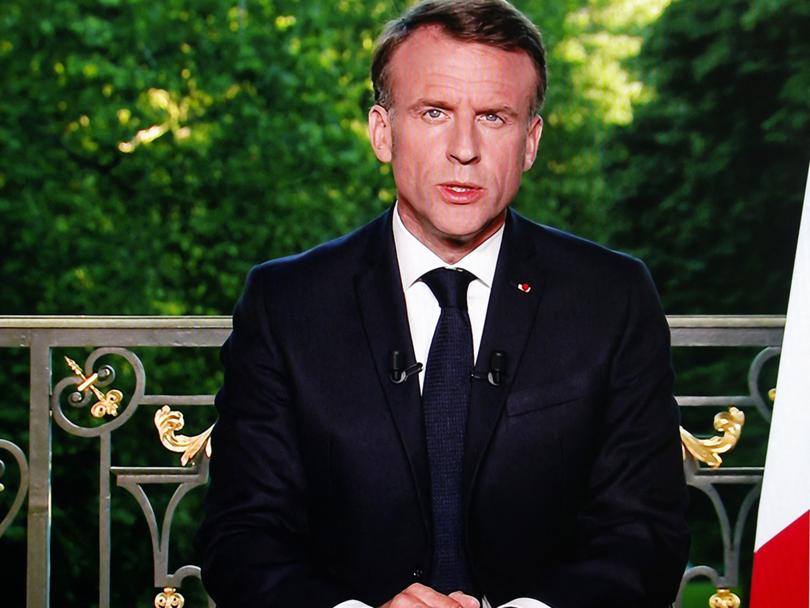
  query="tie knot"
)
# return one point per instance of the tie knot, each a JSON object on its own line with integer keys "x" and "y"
{"x": 449, "y": 285}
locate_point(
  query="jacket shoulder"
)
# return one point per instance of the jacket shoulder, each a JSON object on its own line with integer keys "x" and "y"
{"x": 566, "y": 253}
{"x": 334, "y": 260}
{"x": 319, "y": 276}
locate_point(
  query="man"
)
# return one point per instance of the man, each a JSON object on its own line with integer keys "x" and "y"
{"x": 534, "y": 459}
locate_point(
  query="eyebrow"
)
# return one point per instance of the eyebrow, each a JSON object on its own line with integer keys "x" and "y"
{"x": 427, "y": 102}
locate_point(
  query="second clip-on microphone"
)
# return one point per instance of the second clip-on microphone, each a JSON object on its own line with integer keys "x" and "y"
{"x": 497, "y": 369}
{"x": 399, "y": 371}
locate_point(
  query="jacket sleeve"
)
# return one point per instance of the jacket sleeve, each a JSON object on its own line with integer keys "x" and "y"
{"x": 633, "y": 538}
{"x": 254, "y": 538}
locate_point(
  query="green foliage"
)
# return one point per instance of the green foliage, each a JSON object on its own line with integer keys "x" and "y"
{"x": 161, "y": 148}
{"x": 709, "y": 176}
{"x": 591, "y": 91}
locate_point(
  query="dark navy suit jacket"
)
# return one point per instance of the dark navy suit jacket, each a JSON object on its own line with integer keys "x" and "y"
{"x": 573, "y": 482}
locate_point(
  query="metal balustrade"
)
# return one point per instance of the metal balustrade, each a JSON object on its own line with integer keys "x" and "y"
{"x": 84, "y": 402}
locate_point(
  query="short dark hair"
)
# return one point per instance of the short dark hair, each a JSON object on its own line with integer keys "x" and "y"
{"x": 493, "y": 22}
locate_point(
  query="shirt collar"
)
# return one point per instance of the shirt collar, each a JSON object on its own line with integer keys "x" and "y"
{"x": 415, "y": 259}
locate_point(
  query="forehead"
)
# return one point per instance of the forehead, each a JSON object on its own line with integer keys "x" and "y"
{"x": 434, "y": 65}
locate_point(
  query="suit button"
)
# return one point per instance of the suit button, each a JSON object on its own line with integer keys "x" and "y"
{"x": 418, "y": 573}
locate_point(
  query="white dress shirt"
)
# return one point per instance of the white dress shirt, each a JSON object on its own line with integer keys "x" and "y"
{"x": 423, "y": 309}
{"x": 415, "y": 259}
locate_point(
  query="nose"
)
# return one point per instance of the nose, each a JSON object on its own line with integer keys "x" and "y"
{"x": 463, "y": 145}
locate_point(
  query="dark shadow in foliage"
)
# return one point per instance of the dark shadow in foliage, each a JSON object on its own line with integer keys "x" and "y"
{"x": 709, "y": 177}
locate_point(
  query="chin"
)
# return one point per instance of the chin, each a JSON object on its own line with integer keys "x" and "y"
{"x": 467, "y": 225}
{"x": 461, "y": 233}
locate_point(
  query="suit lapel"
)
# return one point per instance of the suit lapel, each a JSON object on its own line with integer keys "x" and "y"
{"x": 379, "y": 294}
{"x": 510, "y": 316}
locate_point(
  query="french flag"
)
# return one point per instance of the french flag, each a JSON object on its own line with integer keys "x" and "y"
{"x": 782, "y": 548}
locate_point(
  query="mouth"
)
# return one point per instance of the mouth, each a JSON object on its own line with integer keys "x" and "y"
{"x": 460, "y": 193}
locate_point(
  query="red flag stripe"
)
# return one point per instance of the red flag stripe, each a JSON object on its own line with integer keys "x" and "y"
{"x": 782, "y": 568}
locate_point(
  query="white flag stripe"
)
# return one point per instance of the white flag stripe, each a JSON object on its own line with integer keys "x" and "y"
{"x": 786, "y": 487}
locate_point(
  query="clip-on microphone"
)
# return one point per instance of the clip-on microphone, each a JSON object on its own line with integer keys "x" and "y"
{"x": 399, "y": 372}
{"x": 497, "y": 369}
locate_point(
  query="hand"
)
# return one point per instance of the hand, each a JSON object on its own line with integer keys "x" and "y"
{"x": 421, "y": 596}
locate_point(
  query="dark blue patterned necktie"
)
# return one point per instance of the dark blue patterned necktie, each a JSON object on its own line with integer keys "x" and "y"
{"x": 446, "y": 399}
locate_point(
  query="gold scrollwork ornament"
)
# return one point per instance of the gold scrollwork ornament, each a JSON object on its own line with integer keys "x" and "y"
{"x": 107, "y": 403}
{"x": 729, "y": 423}
{"x": 169, "y": 598}
{"x": 168, "y": 422}
{"x": 724, "y": 598}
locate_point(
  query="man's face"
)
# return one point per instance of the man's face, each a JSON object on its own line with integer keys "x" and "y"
{"x": 459, "y": 135}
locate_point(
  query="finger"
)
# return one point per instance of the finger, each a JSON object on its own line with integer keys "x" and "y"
{"x": 404, "y": 600}
{"x": 432, "y": 598}
{"x": 467, "y": 601}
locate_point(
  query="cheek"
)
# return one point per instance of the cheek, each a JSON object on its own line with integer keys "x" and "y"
{"x": 413, "y": 156}
{"x": 508, "y": 162}
{"x": 518, "y": 165}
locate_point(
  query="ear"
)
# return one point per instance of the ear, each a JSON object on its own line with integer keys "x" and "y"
{"x": 532, "y": 141}
{"x": 379, "y": 132}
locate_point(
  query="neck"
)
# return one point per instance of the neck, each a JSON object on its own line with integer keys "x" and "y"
{"x": 450, "y": 248}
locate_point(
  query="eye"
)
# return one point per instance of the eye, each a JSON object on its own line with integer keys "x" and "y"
{"x": 433, "y": 114}
{"x": 493, "y": 118}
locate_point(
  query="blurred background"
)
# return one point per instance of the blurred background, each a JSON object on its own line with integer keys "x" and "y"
{"x": 152, "y": 151}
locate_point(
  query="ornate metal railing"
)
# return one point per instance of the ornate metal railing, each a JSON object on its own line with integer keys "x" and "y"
{"x": 86, "y": 402}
